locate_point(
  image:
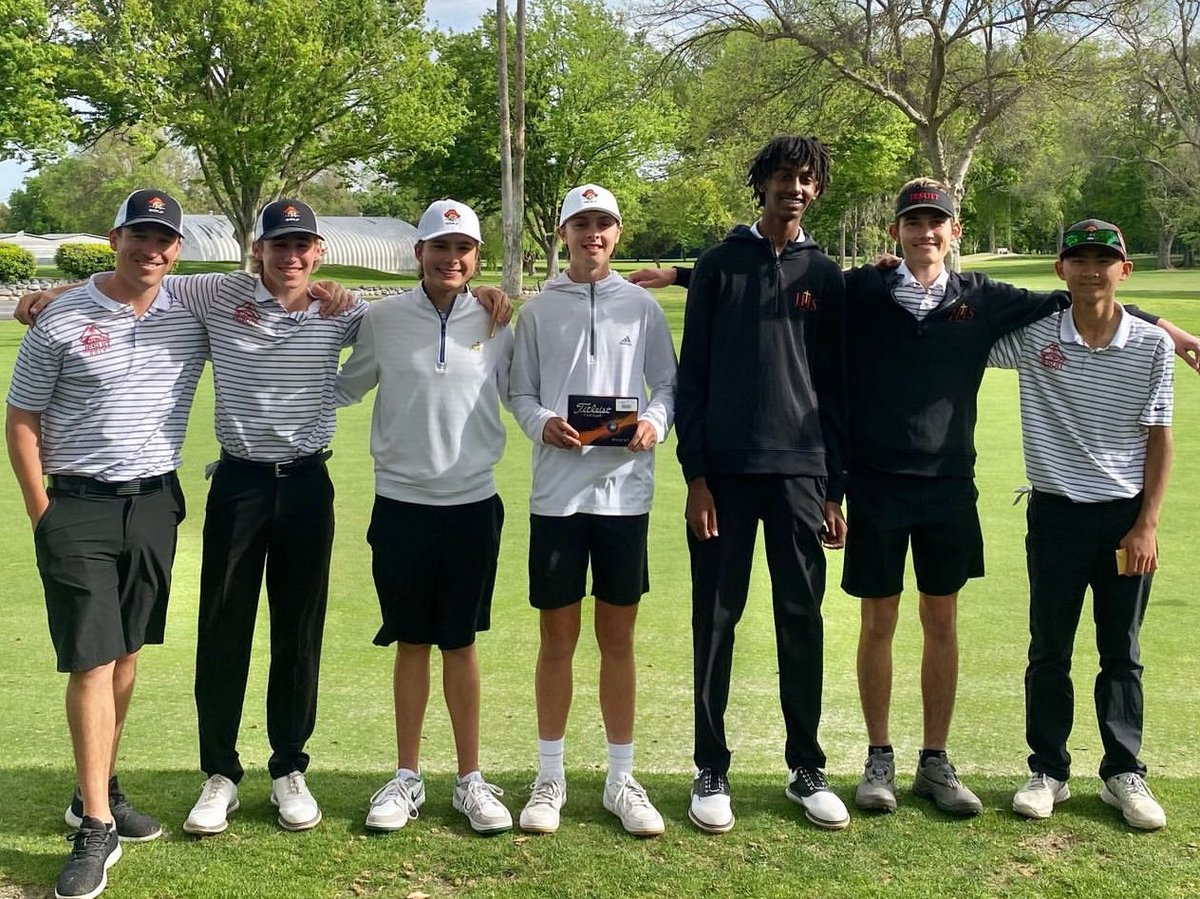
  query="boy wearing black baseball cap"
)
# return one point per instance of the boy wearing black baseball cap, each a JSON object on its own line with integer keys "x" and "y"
{"x": 1096, "y": 401}
{"x": 97, "y": 407}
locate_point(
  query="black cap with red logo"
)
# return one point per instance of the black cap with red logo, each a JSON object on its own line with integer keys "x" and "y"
{"x": 925, "y": 196}
{"x": 286, "y": 216}
{"x": 1093, "y": 233}
{"x": 150, "y": 206}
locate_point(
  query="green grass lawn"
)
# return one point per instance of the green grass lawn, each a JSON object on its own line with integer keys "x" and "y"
{"x": 1084, "y": 851}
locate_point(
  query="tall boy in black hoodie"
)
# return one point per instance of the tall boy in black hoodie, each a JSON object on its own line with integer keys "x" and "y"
{"x": 760, "y": 419}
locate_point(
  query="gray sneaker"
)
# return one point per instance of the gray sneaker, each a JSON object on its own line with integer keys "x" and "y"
{"x": 937, "y": 780}
{"x": 877, "y": 790}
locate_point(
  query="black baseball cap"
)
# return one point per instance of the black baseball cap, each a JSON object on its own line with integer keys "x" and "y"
{"x": 150, "y": 206}
{"x": 286, "y": 216}
{"x": 1093, "y": 233}
{"x": 925, "y": 196}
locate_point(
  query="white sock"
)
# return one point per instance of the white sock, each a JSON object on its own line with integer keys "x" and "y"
{"x": 471, "y": 775}
{"x": 550, "y": 759}
{"x": 620, "y": 761}
{"x": 404, "y": 773}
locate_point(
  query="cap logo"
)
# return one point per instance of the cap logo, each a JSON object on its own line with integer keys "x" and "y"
{"x": 451, "y": 215}
{"x": 291, "y": 214}
{"x": 589, "y": 194}
{"x": 923, "y": 195}
{"x": 156, "y": 204}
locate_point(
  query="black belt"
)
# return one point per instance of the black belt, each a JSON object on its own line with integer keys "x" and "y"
{"x": 281, "y": 469}
{"x": 78, "y": 485}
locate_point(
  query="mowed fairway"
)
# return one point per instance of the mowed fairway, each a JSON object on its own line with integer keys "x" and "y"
{"x": 1084, "y": 850}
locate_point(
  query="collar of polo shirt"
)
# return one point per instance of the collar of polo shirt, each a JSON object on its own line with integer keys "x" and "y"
{"x": 906, "y": 277}
{"x": 161, "y": 302}
{"x": 1068, "y": 333}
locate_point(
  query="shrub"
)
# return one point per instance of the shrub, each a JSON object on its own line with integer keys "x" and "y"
{"x": 16, "y": 264}
{"x": 82, "y": 260}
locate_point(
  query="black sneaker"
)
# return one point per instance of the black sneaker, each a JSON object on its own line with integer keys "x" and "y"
{"x": 132, "y": 826}
{"x": 96, "y": 849}
{"x": 710, "y": 809}
{"x": 808, "y": 787}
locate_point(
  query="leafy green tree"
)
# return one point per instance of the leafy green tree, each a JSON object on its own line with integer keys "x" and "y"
{"x": 266, "y": 93}
{"x": 34, "y": 123}
{"x": 591, "y": 114}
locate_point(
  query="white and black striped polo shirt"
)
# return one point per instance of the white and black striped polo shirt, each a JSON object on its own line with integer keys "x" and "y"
{"x": 274, "y": 370}
{"x": 113, "y": 390}
{"x": 914, "y": 296}
{"x": 1085, "y": 412}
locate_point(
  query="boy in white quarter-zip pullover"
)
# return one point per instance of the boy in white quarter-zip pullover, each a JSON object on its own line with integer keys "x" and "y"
{"x": 587, "y": 349}
{"x": 436, "y": 435}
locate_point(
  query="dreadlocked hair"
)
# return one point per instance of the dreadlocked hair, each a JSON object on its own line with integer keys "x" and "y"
{"x": 786, "y": 151}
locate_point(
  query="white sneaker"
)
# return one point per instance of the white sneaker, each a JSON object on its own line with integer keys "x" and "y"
{"x": 1129, "y": 793}
{"x": 540, "y": 814}
{"x": 298, "y": 809}
{"x": 218, "y": 799}
{"x": 476, "y": 799}
{"x": 1039, "y": 796}
{"x": 396, "y": 803}
{"x": 627, "y": 799}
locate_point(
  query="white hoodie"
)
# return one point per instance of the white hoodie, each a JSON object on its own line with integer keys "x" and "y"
{"x": 609, "y": 338}
{"x": 436, "y": 432}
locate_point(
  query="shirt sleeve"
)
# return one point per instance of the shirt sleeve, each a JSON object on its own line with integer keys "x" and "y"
{"x": 691, "y": 394}
{"x": 661, "y": 370}
{"x": 830, "y": 384}
{"x": 1160, "y": 404}
{"x": 683, "y": 276}
{"x": 353, "y": 318}
{"x": 36, "y": 371}
{"x": 1006, "y": 352}
{"x": 504, "y": 334}
{"x": 1011, "y": 308}
{"x": 360, "y": 372}
{"x": 195, "y": 292}
{"x": 525, "y": 380}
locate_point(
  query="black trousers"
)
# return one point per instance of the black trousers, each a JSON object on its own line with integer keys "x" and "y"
{"x": 791, "y": 510}
{"x": 1070, "y": 547}
{"x": 256, "y": 521}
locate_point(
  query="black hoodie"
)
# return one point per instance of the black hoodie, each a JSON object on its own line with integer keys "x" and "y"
{"x": 762, "y": 363}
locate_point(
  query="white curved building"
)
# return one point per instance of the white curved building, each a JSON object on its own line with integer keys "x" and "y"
{"x": 384, "y": 244}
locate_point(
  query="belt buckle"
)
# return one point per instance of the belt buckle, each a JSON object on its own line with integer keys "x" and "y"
{"x": 282, "y": 469}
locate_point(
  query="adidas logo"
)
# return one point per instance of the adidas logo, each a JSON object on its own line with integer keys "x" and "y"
{"x": 625, "y": 341}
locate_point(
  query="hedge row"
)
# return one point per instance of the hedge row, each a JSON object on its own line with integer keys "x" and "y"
{"x": 16, "y": 264}
{"x": 82, "y": 260}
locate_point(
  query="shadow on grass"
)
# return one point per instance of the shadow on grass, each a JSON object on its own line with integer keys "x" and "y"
{"x": 439, "y": 855}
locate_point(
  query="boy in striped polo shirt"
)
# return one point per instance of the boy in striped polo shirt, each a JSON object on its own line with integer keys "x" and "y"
{"x": 1096, "y": 402}
{"x": 98, "y": 404}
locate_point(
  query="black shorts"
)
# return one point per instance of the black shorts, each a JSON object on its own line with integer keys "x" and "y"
{"x": 885, "y": 512}
{"x": 105, "y": 563}
{"x": 560, "y": 548}
{"x": 434, "y": 569}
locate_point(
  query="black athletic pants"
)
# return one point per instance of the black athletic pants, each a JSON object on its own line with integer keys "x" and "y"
{"x": 256, "y": 520}
{"x": 791, "y": 510}
{"x": 1071, "y": 546}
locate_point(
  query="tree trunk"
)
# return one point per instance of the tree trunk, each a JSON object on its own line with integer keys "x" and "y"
{"x": 513, "y": 288}
{"x": 511, "y": 267}
{"x": 1166, "y": 240}
{"x": 550, "y": 245}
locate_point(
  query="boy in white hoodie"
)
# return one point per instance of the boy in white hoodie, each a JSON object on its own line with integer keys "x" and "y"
{"x": 587, "y": 348}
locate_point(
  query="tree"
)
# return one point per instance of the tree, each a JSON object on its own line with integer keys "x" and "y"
{"x": 592, "y": 113}
{"x": 266, "y": 93}
{"x": 951, "y": 69}
{"x": 512, "y": 146}
{"x": 54, "y": 199}
{"x": 34, "y": 123}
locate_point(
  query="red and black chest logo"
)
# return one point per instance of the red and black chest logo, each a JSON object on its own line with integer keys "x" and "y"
{"x": 94, "y": 340}
{"x": 1052, "y": 357}
{"x": 246, "y": 314}
{"x": 963, "y": 313}
{"x": 805, "y": 300}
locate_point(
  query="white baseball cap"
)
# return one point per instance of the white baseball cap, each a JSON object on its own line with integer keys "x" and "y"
{"x": 586, "y": 198}
{"x": 448, "y": 217}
